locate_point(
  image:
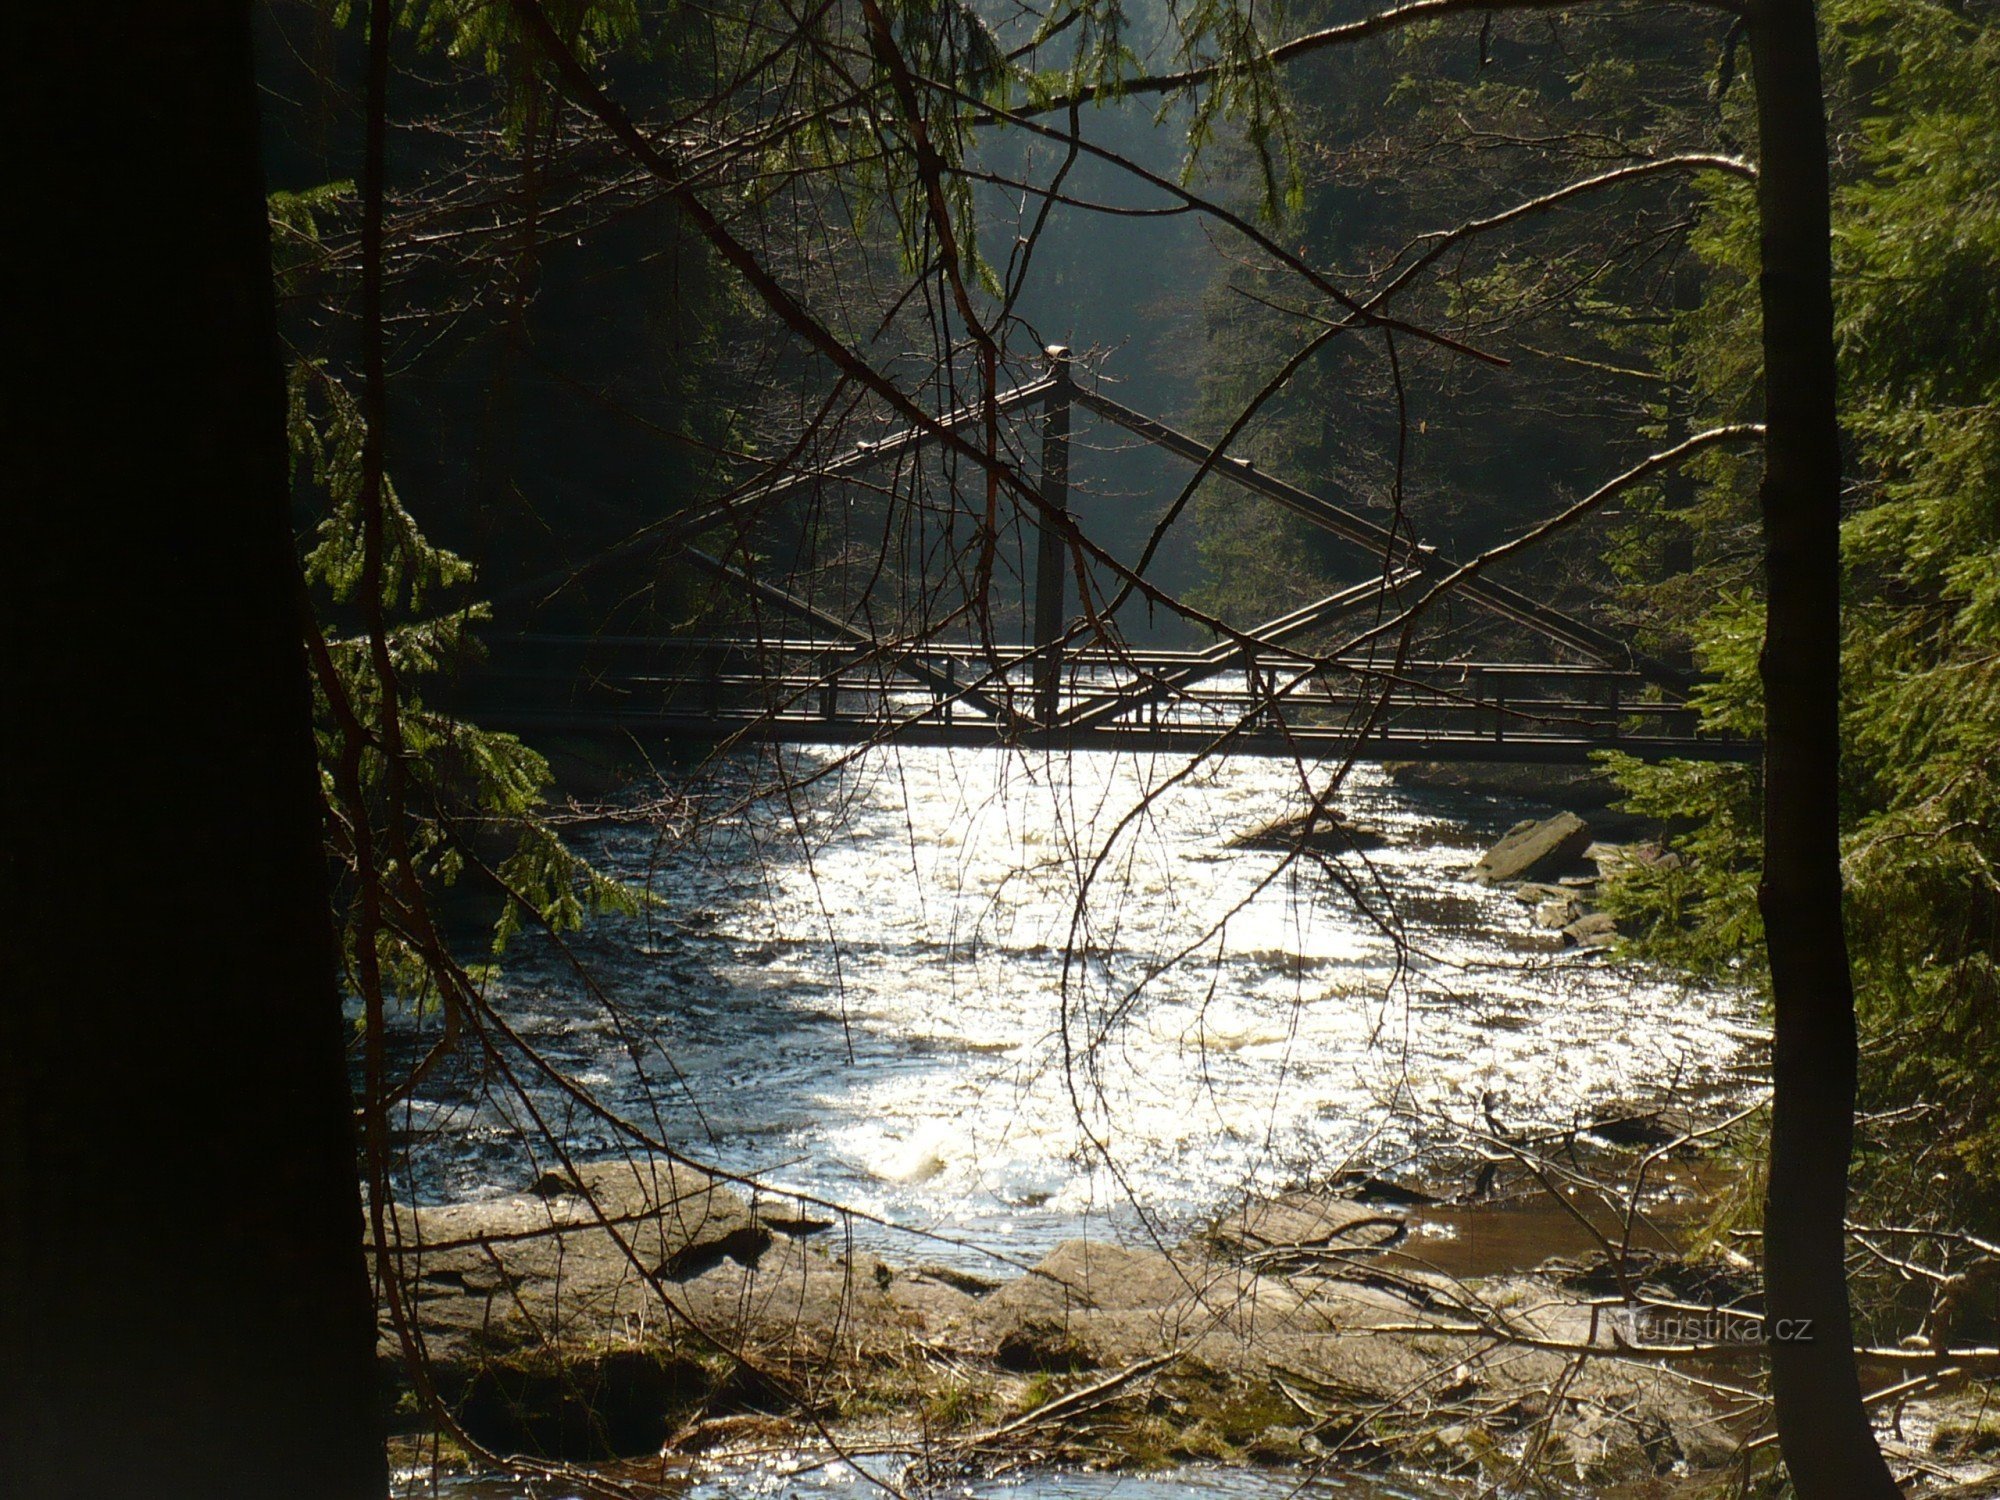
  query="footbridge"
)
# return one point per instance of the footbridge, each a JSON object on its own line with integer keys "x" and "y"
{"x": 1274, "y": 687}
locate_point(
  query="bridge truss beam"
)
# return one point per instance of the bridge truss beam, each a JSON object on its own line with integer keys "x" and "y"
{"x": 1286, "y": 702}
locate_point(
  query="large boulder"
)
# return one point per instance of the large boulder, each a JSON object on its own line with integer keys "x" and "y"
{"x": 1535, "y": 850}
{"x": 582, "y": 1261}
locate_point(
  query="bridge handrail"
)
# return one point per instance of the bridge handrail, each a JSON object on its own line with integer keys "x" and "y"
{"x": 972, "y": 652}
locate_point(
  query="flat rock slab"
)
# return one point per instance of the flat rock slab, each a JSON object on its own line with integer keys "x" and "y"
{"x": 1301, "y": 1221}
{"x": 1558, "y": 914}
{"x": 1594, "y": 929}
{"x": 594, "y": 1267}
{"x": 598, "y": 1313}
{"x": 1090, "y": 1274}
{"x": 1324, "y": 830}
{"x": 1535, "y": 850}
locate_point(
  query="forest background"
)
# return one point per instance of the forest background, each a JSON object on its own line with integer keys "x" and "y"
{"x": 559, "y": 329}
{"x": 466, "y": 262}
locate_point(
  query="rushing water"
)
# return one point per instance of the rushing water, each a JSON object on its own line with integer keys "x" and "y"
{"x": 963, "y": 991}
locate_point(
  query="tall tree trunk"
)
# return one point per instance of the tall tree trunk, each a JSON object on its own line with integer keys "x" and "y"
{"x": 188, "y": 1312}
{"x": 1823, "y": 1429}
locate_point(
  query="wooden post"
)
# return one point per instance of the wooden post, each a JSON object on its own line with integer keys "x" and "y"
{"x": 1257, "y": 696}
{"x": 1049, "y": 560}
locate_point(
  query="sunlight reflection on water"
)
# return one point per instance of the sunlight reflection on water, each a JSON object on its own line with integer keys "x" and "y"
{"x": 884, "y": 989}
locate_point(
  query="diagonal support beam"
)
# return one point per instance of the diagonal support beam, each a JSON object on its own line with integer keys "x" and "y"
{"x": 1223, "y": 655}
{"x": 1587, "y": 640}
{"x": 910, "y": 665}
{"x": 676, "y": 530}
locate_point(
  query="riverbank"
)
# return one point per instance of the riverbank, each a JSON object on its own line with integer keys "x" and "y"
{"x": 645, "y": 1310}
{"x": 645, "y": 1306}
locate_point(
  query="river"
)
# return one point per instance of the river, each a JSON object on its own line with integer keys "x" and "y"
{"x": 977, "y": 994}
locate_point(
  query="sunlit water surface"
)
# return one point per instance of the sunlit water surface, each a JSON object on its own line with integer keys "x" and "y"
{"x": 975, "y": 993}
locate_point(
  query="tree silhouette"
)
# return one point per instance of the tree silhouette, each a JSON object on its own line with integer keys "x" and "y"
{"x": 188, "y": 1308}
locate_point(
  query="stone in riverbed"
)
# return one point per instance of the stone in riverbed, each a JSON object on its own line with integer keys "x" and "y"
{"x": 1042, "y": 1346}
{"x": 1268, "y": 1230}
{"x": 1534, "y": 893}
{"x": 1557, "y": 914}
{"x": 1620, "y": 859}
{"x": 1086, "y": 1276}
{"x": 1323, "y": 830}
{"x": 1534, "y": 850}
{"x": 1595, "y": 929}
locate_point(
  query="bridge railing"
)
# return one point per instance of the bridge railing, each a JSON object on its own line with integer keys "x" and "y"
{"x": 851, "y": 676}
{"x": 787, "y": 684}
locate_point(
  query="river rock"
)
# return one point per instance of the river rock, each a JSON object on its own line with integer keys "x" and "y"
{"x": 1114, "y": 1276}
{"x": 1281, "y": 1228}
{"x": 1558, "y": 914}
{"x": 1535, "y": 893}
{"x": 1086, "y": 1275}
{"x": 1594, "y": 929}
{"x": 1042, "y": 1346}
{"x": 514, "y": 1278}
{"x": 1617, "y": 859}
{"x": 1319, "y": 829}
{"x": 1534, "y": 849}
{"x": 1043, "y": 1321}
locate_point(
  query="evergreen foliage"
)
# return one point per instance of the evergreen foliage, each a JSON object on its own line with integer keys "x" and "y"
{"x": 1405, "y": 138}
{"x": 1917, "y": 245}
{"x": 470, "y": 796}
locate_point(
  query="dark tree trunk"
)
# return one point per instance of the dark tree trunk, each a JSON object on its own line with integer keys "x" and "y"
{"x": 187, "y": 1308}
{"x": 1823, "y": 1429}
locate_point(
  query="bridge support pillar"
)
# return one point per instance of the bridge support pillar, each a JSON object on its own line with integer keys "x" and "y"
{"x": 1049, "y": 555}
